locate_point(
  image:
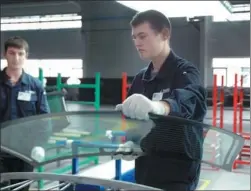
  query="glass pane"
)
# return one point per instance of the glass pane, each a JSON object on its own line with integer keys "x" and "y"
{"x": 41, "y": 25}
{"x": 78, "y": 73}
{"x": 19, "y": 26}
{"x": 69, "y": 63}
{"x": 233, "y": 66}
{"x": 39, "y": 18}
{"x": 245, "y": 72}
{"x": 76, "y": 63}
{"x": 54, "y": 72}
{"x": 32, "y": 63}
{"x": 48, "y": 63}
{"x": 65, "y": 72}
{"x": 32, "y": 71}
{"x": 46, "y": 71}
{"x": 231, "y": 62}
{"x": 58, "y": 136}
{"x": 62, "y": 17}
{"x": 60, "y": 25}
{"x": 6, "y": 20}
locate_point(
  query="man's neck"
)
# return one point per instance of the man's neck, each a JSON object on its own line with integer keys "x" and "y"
{"x": 160, "y": 59}
{"x": 14, "y": 74}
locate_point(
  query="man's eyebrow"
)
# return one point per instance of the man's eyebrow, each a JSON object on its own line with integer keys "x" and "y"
{"x": 14, "y": 51}
{"x": 141, "y": 33}
{"x": 10, "y": 51}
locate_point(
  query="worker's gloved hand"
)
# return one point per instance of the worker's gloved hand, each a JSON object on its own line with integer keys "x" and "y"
{"x": 138, "y": 106}
{"x": 38, "y": 154}
{"x": 127, "y": 151}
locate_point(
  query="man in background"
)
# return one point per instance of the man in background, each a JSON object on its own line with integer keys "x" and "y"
{"x": 21, "y": 95}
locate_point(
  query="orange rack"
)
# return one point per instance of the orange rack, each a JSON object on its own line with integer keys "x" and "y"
{"x": 238, "y": 97}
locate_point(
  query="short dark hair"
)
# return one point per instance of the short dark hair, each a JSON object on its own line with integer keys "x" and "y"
{"x": 156, "y": 19}
{"x": 16, "y": 42}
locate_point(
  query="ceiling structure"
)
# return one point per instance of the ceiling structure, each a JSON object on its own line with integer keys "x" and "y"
{"x": 234, "y": 6}
{"x": 236, "y": 2}
{"x": 9, "y": 2}
{"x": 19, "y": 1}
{"x": 238, "y": 6}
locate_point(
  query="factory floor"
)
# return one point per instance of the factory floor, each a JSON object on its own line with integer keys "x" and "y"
{"x": 210, "y": 179}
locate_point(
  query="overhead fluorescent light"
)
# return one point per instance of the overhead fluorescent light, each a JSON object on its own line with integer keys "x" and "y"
{"x": 241, "y": 8}
{"x": 41, "y": 18}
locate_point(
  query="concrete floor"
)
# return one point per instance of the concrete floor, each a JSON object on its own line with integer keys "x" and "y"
{"x": 222, "y": 180}
{"x": 239, "y": 179}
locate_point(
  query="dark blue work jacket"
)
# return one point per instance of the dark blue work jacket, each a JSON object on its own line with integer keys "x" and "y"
{"x": 180, "y": 84}
{"x": 26, "y": 98}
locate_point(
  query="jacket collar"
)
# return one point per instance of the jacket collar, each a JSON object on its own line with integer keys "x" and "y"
{"x": 166, "y": 67}
{"x": 4, "y": 78}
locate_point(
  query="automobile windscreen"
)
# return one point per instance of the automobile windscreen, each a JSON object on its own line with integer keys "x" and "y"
{"x": 47, "y": 138}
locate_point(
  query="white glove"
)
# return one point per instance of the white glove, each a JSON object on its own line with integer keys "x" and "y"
{"x": 38, "y": 154}
{"x": 137, "y": 106}
{"x": 109, "y": 134}
{"x": 127, "y": 147}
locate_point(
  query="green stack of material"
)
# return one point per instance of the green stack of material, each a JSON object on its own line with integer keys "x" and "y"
{"x": 60, "y": 85}
{"x": 57, "y": 104}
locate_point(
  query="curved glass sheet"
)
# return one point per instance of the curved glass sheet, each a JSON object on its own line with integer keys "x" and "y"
{"x": 51, "y": 137}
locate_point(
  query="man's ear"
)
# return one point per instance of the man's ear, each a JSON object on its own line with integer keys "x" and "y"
{"x": 166, "y": 34}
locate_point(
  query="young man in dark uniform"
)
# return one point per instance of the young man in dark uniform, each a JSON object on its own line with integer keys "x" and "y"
{"x": 21, "y": 95}
{"x": 170, "y": 85}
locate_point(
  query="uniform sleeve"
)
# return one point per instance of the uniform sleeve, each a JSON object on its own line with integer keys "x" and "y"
{"x": 43, "y": 105}
{"x": 188, "y": 99}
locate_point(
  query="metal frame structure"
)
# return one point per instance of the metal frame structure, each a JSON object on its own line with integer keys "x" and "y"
{"x": 68, "y": 180}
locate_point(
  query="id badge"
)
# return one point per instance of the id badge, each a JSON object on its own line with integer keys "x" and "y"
{"x": 24, "y": 96}
{"x": 157, "y": 96}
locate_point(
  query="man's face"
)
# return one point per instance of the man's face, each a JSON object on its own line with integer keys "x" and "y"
{"x": 148, "y": 42}
{"x": 15, "y": 57}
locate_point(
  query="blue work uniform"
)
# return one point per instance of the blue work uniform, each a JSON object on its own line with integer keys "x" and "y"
{"x": 25, "y": 98}
{"x": 178, "y": 81}
{"x": 14, "y": 101}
